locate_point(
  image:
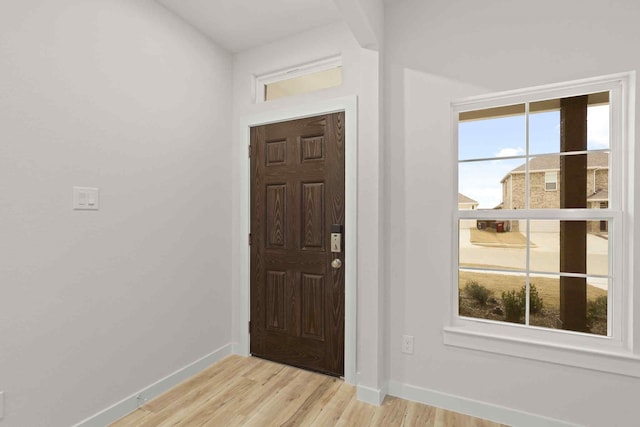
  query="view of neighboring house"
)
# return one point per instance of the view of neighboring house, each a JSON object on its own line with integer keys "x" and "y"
{"x": 466, "y": 203}
{"x": 544, "y": 172}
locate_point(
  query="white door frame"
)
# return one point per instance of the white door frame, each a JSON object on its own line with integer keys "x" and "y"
{"x": 350, "y": 107}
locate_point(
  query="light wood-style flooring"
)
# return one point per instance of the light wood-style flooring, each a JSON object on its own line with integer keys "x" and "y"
{"x": 247, "y": 391}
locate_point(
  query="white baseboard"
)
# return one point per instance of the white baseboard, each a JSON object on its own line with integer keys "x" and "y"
{"x": 370, "y": 395}
{"x": 475, "y": 408}
{"x": 238, "y": 349}
{"x": 131, "y": 403}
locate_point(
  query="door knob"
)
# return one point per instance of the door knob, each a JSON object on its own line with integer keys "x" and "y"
{"x": 336, "y": 263}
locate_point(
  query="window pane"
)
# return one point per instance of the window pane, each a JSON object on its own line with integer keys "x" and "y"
{"x": 492, "y": 244}
{"x": 495, "y": 132}
{"x": 544, "y": 303}
{"x": 588, "y": 188}
{"x": 544, "y": 124}
{"x": 303, "y": 84}
{"x": 544, "y": 129}
{"x": 488, "y": 183}
{"x": 598, "y": 127}
{"x": 597, "y": 310}
{"x": 551, "y": 181}
{"x": 591, "y": 236}
{"x": 493, "y": 296}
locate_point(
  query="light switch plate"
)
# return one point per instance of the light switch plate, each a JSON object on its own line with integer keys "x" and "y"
{"x": 86, "y": 198}
{"x": 1, "y": 404}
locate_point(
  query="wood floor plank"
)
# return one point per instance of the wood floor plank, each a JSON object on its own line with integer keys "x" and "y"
{"x": 419, "y": 415}
{"x": 449, "y": 418}
{"x": 251, "y": 392}
{"x": 174, "y": 410}
{"x": 133, "y": 419}
{"x": 313, "y": 405}
{"x": 356, "y": 413}
{"x": 246, "y": 406}
{"x": 264, "y": 371}
{"x": 285, "y": 402}
{"x": 201, "y": 414}
{"x": 391, "y": 413}
{"x": 216, "y": 373}
{"x": 334, "y": 409}
{"x": 440, "y": 418}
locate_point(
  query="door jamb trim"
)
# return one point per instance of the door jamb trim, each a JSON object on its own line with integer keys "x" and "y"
{"x": 349, "y": 105}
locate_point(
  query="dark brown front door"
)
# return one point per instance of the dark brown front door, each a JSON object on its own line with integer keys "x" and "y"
{"x": 297, "y": 195}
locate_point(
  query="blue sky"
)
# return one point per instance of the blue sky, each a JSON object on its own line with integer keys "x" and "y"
{"x": 506, "y": 136}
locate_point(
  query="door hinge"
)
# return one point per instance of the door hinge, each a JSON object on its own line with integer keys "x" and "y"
{"x": 249, "y": 239}
{"x": 249, "y": 150}
{"x": 249, "y": 326}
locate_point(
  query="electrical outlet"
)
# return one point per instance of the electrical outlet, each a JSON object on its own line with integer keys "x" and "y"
{"x": 407, "y": 344}
{"x": 141, "y": 400}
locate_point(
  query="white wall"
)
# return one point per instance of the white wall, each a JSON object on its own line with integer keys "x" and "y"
{"x": 365, "y": 19}
{"x": 94, "y": 306}
{"x": 438, "y": 51}
{"x": 121, "y": 95}
{"x": 361, "y": 79}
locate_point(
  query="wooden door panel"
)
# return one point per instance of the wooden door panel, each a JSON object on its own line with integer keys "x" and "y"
{"x": 297, "y": 193}
{"x": 312, "y": 148}
{"x": 312, "y": 292}
{"x": 276, "y": 202}
{"x": 275, "y": 300}
{"x": 276, "y": 153}
{"x": 313, "y": 215}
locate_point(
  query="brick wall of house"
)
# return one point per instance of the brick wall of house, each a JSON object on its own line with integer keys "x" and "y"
{"x": 506, "y": 195}
{"x": 517, "y": 195}
{"x": 514, "y": 187}
{"x": 541, "y": 198}
{"x": 594, "y": 227}
{"x": 602, "y": 180}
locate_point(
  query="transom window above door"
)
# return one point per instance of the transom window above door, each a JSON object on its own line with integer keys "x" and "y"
{"x": 298, "y": 80}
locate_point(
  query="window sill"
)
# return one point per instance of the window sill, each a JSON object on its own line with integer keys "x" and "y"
{"x": 621, "y": 361}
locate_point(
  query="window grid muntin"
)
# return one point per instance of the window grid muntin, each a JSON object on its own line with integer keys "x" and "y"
{"x": 533, "y": 272}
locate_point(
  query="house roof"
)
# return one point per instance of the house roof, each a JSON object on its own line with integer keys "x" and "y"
{"x": 464, "y": 199}
{"x": 601, "y": 195}
{"x": 552, "y": 161}
{"x": 595, "y": 160}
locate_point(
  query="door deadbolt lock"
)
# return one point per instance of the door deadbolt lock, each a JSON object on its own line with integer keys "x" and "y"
{"x": 336, "y": 238}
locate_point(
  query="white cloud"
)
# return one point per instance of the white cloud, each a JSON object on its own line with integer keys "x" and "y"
{"x": 598, "y": 127}
{"x": 509, "y": 152}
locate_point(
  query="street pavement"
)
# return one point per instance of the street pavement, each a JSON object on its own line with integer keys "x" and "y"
{"x": 544, "y": 257}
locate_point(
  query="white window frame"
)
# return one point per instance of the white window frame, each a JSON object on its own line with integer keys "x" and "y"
{"x": 548, "y": 181}
{"x": 614, "y": 353}
{"x": 292, "y": 72}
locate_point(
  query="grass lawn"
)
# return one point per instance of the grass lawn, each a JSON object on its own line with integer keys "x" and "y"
{"x": 492, "y": 238}
{"x": 548, "y": 289}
